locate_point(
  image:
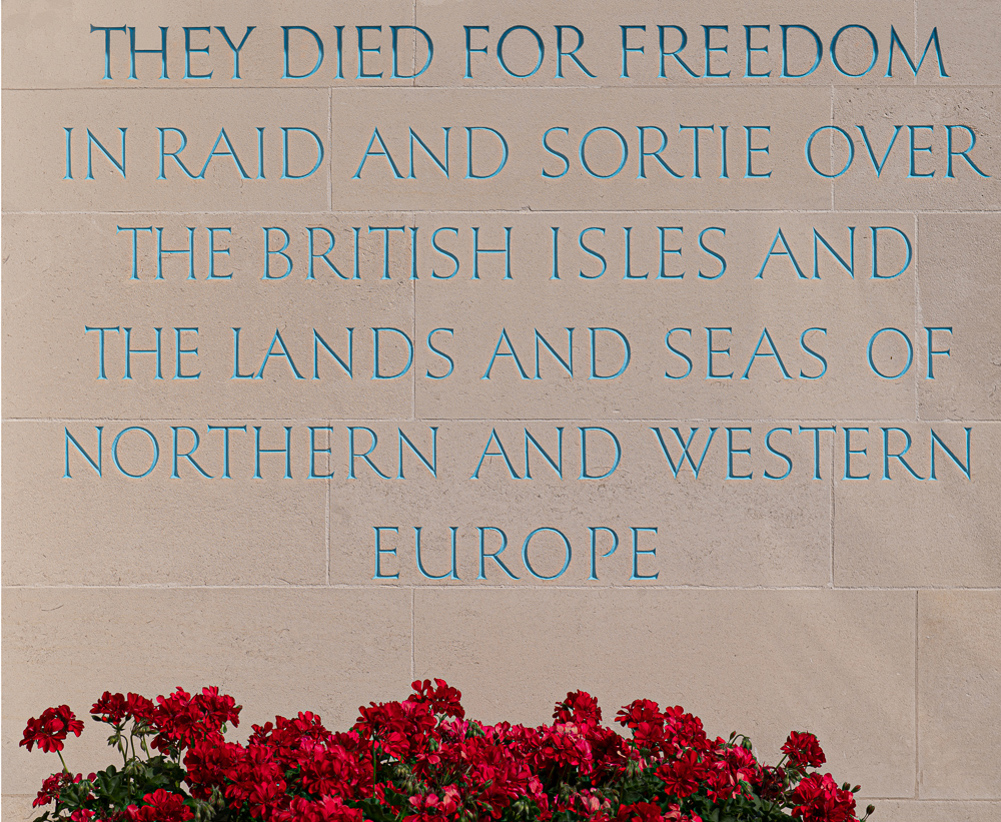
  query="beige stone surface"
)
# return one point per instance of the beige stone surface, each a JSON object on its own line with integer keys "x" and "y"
{"x": 523, "y": 117}
{"x": 48, "y": 44}
{"x": 903, "y": 810}
{"x": 959, "y": 289}
{"x": 34, "y": 153}
{"x": 645, "y": 308}
{"x": 55, "y": 290}
{"x": 910, "y": 533}
{"x": 274, "y": 651}
{"x": 18, "y": 807}
{"x": 978, "y": 37}
{"x": 879, "y": 111}
{"x": 710, "y": 531}
{"x": 760, "y": 662}
{"x": 105, "y": 531}
{"x": 959, "y": 666}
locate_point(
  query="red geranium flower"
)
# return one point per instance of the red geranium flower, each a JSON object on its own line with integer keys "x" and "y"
{"x": 819, "y": 799}
{"x": 51, "y": 728}
{"x": 580, "y": 708}
{"x": 683, "y": 775}
{"x": 162, "y": 806}
{"x": 51, "y": 787}
{"x": 804, "y": 750}
{"x": 441, "y": 696}
{"x": 110, "y": 708}
{"x": 639, "y": 812}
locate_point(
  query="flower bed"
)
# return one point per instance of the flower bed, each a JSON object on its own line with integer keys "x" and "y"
{"x": 421, "y": 760}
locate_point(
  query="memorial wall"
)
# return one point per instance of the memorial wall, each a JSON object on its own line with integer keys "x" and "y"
{"x": 640, "y": 348}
